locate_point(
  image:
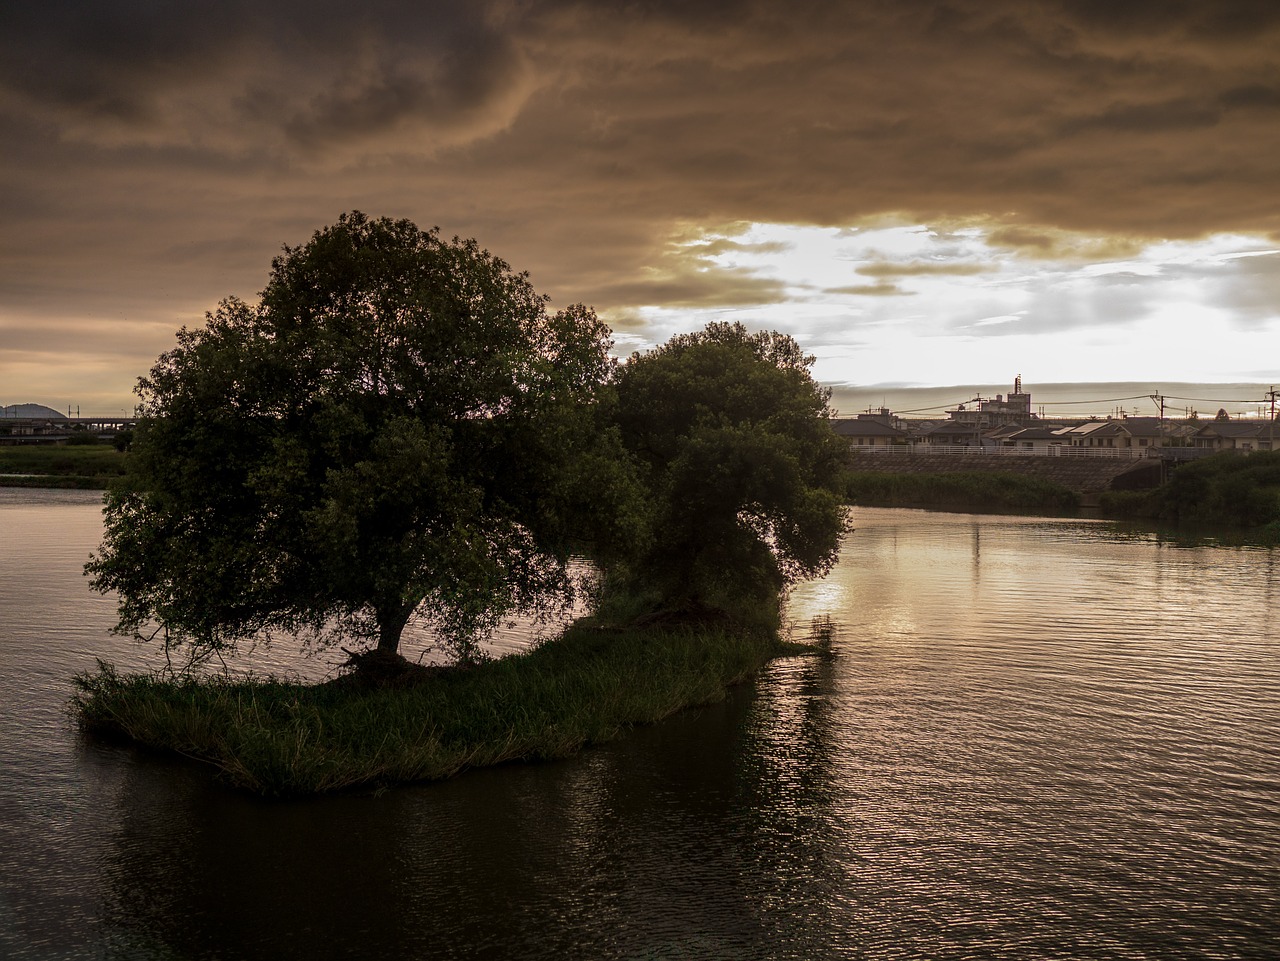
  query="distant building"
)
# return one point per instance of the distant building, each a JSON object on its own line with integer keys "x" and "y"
{"x": 1000, "y": 411}
{"x": 33, "y": 411}
{"x": 1015, "y": 409}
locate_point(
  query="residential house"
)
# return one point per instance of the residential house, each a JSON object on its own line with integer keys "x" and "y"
{"x": 869, "y": 431}
{"x": 1095, "y": 434}
{"x": 1042, "y": 440}
{"x": 998, "y": 436}
{"x": 952, "y": 434}
{"x": 1238, "y": 435}
{"x": 1146, "y": 432}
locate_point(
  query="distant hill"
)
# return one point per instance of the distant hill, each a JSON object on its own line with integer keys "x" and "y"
{"x": 30, "y": 410}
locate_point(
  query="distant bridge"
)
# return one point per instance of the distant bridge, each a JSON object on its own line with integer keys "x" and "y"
{"x": 52, "y": 430}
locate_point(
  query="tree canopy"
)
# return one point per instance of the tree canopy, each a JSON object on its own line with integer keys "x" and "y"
{"x": 739, "y": 462}
{"x": 398, "y": 429}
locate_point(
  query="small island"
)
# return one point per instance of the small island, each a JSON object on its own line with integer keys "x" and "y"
{"x": 398, "y": 430}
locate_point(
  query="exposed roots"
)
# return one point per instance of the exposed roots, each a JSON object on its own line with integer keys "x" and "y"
{"x": 383, "y": 669}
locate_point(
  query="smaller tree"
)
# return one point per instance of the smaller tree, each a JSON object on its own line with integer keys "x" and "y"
{"x": 740, "y": 465}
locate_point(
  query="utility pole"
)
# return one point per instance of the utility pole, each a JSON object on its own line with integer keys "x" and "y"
{"x": 1271, "y": 424}
{"x": 1161, "y": 439}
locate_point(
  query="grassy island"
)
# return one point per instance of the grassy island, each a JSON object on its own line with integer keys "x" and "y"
{"x": 398, "y": 430}
{"x": 393, "y": 722}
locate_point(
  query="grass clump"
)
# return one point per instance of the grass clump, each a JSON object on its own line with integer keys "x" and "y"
{"x": 286, "y": 739}
{"x": 973, "y": 491}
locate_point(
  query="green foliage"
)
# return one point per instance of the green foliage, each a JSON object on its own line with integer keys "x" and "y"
{"x": 739, "y": 466}
{"x": 976, "y": 491}
{"x": 1230, "y": 489}
{"x": 282, "y": 739}
{"x": 82, "y": 439}
{"x": 399, "y": 429}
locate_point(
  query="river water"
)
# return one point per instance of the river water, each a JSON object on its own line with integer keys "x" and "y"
{"x": 1030, "y": 739}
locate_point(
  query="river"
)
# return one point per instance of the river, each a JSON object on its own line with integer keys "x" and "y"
{"x": 1031, "y": 739}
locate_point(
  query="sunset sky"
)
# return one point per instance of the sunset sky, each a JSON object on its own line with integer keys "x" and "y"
{"x": 925, "y": 194}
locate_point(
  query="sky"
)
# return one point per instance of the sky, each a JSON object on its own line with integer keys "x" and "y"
{"x": 931, "y": 197}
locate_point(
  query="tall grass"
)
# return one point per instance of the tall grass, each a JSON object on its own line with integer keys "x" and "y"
{"x": 976, "y": 491}
{"x": 89, "y": 466}
{"x": 282, "y": 739}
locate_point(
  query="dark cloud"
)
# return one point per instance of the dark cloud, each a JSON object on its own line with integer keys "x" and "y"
{"x": 1049, "y": 243}
{"x": 881, "y": 289}
{"x": 450, "y": 96}
{"x": 1146, "y": 118}
{"x": 232, "y": 75}
{"x": 918, "y": 268}
{"x": 727, "y": 289}
{"x": 156, "y": 155}
{"x": 1233, "y": 20}
{"x": 725, "y": 245}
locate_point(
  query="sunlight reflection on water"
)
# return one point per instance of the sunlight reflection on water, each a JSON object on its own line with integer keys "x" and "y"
{"x": 1026, "y": 738}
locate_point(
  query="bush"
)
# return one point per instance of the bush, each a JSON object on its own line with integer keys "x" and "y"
{"x": 80, "y": 466}
{"x": 976, "y": 491}
{"x": 1226, "y": 490}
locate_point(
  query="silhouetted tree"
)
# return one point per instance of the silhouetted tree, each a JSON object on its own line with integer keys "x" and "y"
{"x": 742, "y": 469}
{"x": 398, "y": 429}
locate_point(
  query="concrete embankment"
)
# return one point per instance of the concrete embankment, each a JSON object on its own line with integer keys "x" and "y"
{"x": 1085, "y": 475}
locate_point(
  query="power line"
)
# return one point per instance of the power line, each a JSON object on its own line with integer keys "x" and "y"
{"x": 1047, "y": 403}
{"x": 1079, "y": 403}
{"x": 925, "y": 410}
{"x": 1106, "y": 400}
{"x": 1217, "y": 400}
{"x": 958, "y": 403}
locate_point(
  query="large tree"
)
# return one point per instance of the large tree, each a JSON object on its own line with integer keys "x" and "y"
{"x": 398, "y": 429}
{"x": 740, "y": 464}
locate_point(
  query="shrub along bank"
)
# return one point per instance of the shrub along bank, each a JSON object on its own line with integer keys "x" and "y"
{"x": 282, "y": 739}
{"x": 89, "y": 466}
{"x": 1228, "y": 490}
{"x": 970, "y": 491}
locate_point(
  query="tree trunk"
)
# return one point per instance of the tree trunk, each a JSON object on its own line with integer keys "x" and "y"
{"x": 391, "y": 622}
